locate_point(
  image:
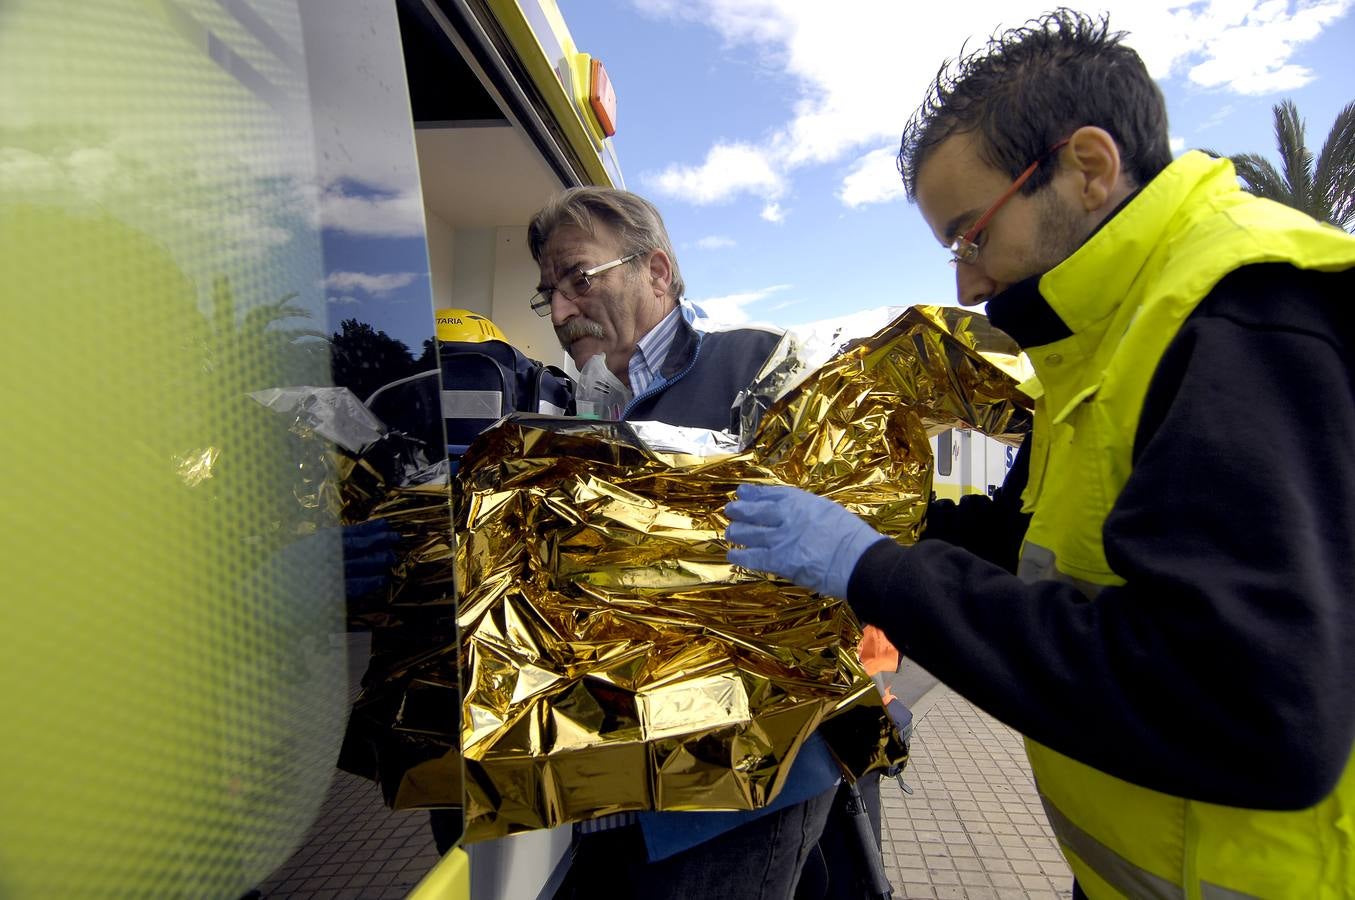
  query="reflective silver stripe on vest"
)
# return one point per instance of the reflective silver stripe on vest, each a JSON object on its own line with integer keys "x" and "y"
{"x": 1119, "y": 872}
{"x": 472, "y": 404}
{"x": 1037, "y": 564}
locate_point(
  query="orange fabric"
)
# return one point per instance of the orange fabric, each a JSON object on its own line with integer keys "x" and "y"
{"x": 878, "y": 655}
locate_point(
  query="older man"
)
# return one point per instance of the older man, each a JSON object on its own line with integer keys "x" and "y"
{"x": 611, "y": 285}
{"x": 1176, "y": 641}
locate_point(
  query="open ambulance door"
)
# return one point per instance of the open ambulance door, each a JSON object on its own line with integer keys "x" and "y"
{"x": 202, "y": 201}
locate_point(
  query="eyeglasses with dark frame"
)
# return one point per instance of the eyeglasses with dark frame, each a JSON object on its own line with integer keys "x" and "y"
{"x": 965, "y": 249}
{"x": 574, "y": 285}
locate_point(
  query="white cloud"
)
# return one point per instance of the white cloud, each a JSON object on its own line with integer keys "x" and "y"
{"x": 874, "y": 178}
{"x": 729, "y": 170}
{"x": 856, "y": 86}
{"x": 730, "y": 309}
{"x": 715, "y": 242}
{"x": 1218, "y": 117}
{"x": 1244, "y": 46}
{"x": 372, "y": 215}
{"x": 1250, "y": 80}
{"x": 773, "y": 212}
{"x": 375, "y": 285}
{"x": 342, "y": 301}
{"x": 1177, "y": 144}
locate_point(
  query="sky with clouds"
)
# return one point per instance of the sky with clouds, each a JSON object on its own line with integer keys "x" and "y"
{"x": 766, "y": 130}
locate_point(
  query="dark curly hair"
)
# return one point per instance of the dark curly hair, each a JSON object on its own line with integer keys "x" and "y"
{"x": 1030, "y": 87}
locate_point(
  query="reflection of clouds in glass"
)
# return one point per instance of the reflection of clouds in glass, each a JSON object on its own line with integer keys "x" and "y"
{"x": 376, "y": 285}
{"x": 162, "y": 133}
{"x": 92, "y": 168}
{"x": 351, "y": 209}
{"x": 22, "y": 171}
{"x": 221, "y": 213}
{"x": 360, "y": 104}
{"x": 240, "y": 235}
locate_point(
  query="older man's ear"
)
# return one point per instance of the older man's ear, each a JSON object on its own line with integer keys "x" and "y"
{"x": 660, "y": 273}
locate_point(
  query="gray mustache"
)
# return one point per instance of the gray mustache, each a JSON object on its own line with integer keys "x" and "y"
{"x": 577, "y": 328}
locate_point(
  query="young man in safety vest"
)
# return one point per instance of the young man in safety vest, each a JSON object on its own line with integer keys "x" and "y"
{"x": 1176, "y": 643}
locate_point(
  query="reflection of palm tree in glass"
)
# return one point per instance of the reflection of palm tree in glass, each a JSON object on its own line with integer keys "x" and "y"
{"x": 151, "y": 614}
{"x": 1321, "y": 186}
{"x": 245, "y": 350}
{"x": 248, "y": 352}
{"x": 366, "y": 358}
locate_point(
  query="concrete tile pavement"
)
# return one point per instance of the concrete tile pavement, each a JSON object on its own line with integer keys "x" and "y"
{"x": 973, "y": 827}
{"x": 357, "y": 848}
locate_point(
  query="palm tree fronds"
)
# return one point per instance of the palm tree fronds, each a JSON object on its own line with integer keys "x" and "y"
{"x": 1295, "y": 159}
{"x": 1259, "y": 177}
{"x": 1334, "y": 180}
{"x": 1324, "y": 187}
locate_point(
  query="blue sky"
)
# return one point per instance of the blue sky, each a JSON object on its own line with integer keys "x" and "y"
{"x": 765, "y": 130}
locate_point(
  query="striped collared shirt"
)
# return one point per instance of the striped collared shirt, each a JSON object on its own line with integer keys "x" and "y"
{"x": 650, "y": 352}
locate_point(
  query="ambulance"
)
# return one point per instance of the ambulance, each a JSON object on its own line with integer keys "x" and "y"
{"x": 969, "y": 462}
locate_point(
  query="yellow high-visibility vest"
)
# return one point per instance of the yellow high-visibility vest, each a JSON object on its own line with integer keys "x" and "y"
{"x": 1125, "y": 295}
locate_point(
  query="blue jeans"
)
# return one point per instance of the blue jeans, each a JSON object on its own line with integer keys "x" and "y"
{"x": 760, "y": 860}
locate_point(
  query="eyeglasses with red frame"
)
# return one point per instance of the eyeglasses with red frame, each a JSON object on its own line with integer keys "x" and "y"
{"x": 965, "y": 249}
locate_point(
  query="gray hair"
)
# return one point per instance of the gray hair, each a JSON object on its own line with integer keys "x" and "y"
{"x": 635, "y": 220}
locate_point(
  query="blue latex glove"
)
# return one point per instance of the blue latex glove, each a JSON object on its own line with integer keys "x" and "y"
{"x": 799, "y": 536}
{"x": 368, "y": 556}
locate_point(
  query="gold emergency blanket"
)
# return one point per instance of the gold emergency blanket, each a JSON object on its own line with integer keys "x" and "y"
{"x": 610, "y": 658}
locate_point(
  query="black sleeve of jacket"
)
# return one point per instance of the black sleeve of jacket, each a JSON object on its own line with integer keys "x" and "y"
{"x": 989, "y": 527}
{"x": 1222, "y": 669}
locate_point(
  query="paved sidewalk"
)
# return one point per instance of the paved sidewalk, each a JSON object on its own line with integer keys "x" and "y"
{"x": 973, "y": 827}
{"x": 357, "y": 849}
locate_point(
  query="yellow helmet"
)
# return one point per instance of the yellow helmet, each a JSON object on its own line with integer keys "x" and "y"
{"x": 464, "y": 326}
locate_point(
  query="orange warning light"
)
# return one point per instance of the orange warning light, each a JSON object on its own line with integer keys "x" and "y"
{"x": 602, "y": 98}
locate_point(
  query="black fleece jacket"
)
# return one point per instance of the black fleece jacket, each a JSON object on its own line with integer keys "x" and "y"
{"x": 703, "y": 375}
{"x": 1223, "y": 669}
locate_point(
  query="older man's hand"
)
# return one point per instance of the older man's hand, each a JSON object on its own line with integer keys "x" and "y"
{"x": 799, "y": 536}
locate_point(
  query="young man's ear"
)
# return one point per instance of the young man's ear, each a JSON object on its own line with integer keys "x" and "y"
{"x": 660, "y": 273}
{"x": 1094, "y": 157}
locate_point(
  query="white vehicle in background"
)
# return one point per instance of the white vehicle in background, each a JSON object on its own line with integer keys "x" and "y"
{"x": 968, "y": 462}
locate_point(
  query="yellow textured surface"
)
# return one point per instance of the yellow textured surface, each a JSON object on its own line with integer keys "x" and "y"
{"x": 171, "y": 702}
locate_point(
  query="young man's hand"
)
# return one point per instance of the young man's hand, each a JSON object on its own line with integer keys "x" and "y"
{"x": 799, "y": 536}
